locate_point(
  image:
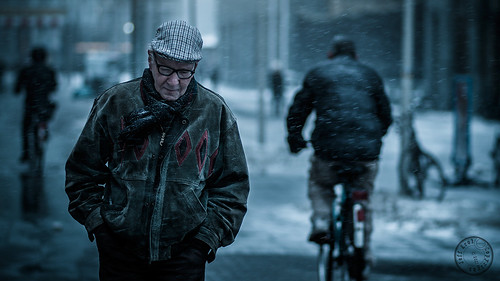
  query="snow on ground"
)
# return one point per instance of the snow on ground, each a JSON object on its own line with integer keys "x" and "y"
{"x": 404, "y": 228}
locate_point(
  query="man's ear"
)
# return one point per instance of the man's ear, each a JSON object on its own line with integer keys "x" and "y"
{"x": 150, "y": 58}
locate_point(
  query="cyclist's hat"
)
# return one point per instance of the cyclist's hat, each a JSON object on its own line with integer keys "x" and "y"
{"x": 342, "y": 45}
{"x": 178, "y": 41}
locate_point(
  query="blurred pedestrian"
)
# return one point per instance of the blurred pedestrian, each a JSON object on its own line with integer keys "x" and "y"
{"x": 214, "y": 77}
{"x": 39, "y": 81}
{"x": 276, "y": 79}
{"x": 353, "y": 113}
{"x": 158, "y": 175}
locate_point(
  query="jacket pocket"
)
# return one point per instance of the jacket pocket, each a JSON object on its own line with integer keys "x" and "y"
{"x": 123, "y": 212}
{"x": 182, "y": 210}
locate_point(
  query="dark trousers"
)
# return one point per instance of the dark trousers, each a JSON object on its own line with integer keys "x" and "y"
{"x": 116, "y": 263}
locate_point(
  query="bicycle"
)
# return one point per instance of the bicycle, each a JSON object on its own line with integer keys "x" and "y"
{"x": 495, "y": 157}
{"x": 342, "y": 256}
{"x": 37, "y": 136}
{"x": 420, "y": 173}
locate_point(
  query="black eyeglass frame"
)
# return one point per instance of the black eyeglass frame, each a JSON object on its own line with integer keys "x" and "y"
{"x": 181, "y": 73}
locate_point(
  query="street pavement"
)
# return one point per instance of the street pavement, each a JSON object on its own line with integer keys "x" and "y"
{"x": 40, "y": 241}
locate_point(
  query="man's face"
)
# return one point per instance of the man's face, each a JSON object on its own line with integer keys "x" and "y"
{"x": 170, "y": 87}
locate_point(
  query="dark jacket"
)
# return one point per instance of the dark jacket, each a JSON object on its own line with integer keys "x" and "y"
{"x": 153, "y": 194}
{"x": 39, "y": 81}
{"x": 352, "y": 110}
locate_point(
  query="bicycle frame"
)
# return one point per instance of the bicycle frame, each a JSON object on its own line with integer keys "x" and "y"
{"x": 36, "y": 138}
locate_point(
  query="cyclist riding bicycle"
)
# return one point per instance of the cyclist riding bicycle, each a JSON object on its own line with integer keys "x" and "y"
{"x": 353, "y": 113}
{"x": 39, "y": 81}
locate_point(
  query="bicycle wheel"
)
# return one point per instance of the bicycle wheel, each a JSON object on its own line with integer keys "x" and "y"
{"x": 41, "y": 137}
{"x": 433, "y": 182}
{"x": 35, "y": 148}
{"x": 341, "y": 269}
{"x": 356, "y": 264}
{"x": 325, "y": 262}
{"x": 354, "y": 242}
{"x": 332, "y": 265}
{"x": 410, "y": 176}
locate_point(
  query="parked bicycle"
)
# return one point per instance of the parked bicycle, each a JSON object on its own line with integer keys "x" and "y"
{"x": 342, "y": 256}
{"x": 420, "y": 173}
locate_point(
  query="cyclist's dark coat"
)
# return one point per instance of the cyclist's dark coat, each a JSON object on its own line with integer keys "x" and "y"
{"x": 199, "y": 188}
{"x": 39, "y": 80}
{"x": 352, "y": 110}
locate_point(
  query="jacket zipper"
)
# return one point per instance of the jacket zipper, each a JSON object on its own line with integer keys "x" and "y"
{"x": 157, "y": 214}
{"x": 159, "y": 192}
{"x": 162, "y": 140}
{"x": 153, "y": 228}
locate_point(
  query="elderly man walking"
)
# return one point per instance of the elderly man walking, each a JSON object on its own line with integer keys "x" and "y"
{"x": 158, "y": 175}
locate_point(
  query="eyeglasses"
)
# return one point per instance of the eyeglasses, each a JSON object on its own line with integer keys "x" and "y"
{"x": 167, "y": 71}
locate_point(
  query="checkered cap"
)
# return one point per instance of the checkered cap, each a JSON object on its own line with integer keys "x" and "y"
{"x": 178, "y": 41}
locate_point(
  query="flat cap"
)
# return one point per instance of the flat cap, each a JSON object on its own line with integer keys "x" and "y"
{"x": 341, "y": 44}
{"x": 179, "y": 41}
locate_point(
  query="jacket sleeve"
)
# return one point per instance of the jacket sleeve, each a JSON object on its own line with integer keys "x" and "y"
{"x": 300, "y": 109}
{"x": 227, "y": 189}
{"x": 87, "y": 172}
{"x": 383, "y": 106}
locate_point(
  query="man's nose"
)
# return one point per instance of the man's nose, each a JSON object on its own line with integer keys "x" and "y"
{"x": 173, "y": 79}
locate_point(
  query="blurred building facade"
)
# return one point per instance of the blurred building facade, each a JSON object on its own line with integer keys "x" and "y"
{"x": 101, "y": 38}
{"x": 452, "y": 38}
{"x": 28, "y": 24}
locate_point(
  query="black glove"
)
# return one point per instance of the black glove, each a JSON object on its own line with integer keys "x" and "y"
{"x": 296, "y": 143}
{"x": 142, "y": 121}
{"x": 139, "y": 123}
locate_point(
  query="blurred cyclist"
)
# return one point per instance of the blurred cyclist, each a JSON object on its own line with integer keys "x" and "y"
{"x": 353, "y": 113}
{"x": 39, "y": 81}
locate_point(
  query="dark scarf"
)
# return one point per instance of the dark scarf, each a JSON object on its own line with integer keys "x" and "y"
{"x": 157, "y": 112}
